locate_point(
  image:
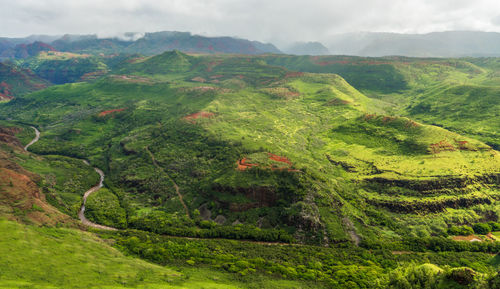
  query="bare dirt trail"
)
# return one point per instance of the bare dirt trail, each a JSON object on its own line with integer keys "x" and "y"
{"x": 81, "y": 212}
{"x": 85, "y": 221}
{"x": 37, "y": 137}
{"x": 172, "y": 180}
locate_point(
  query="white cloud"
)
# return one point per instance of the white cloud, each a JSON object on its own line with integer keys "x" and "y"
{"x": 265, "y": 20}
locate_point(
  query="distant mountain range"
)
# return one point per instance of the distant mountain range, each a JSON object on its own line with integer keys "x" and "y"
{"x": 436, "y": 44}
{"x": 149, "y": 44}
{"x": 375, "y": 44}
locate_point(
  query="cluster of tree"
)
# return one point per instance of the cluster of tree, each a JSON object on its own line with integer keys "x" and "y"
{"x": 431, "y": 276}
{"x": 174, "y": 225}
{"x": 442, "y": 244}
{"x": 332, "y": 267}
{"x": 478, "y": 228}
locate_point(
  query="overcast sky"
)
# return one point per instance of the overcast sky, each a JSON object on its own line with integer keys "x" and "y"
{"x": 275, "y": 21}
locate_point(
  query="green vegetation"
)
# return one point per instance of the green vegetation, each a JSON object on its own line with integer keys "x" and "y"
{"x": 64, "y": 180}
{"x": 103, "y": 207}
{"x": 235, "y": 147}
{"x": 40, "y": 257}
{"x": 64, "y": 68}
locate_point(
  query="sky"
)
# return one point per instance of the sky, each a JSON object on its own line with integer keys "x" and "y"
{"x": 277, "y": 21}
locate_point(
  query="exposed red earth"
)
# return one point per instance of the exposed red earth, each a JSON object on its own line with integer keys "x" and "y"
{"x": 279, "y": 158}
{"x": 199, "y": 79}
{"x": 201, "y": 114}
{"x": 441, "y": 146}
{"x": 106, "y": 112}
{"x": 5, "y": 91}
{"x": 244, "y": 164}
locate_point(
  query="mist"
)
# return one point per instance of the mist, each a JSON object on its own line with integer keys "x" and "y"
{"x": 278, "y": 21}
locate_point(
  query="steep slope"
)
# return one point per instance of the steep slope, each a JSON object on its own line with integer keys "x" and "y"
{"x": 154, "y": 43}
{"x": 374, "y": 74}
{"x": 470, "y": 109}
{"x": 16, "y": 81}
{"x": 251, "y": 143}
{"x": 30, "y": 241}
{"x": 32, "y": 49}
{"x": 201, "y": 149}
{"x": 63, "y": 67}
{"x": 158, "y": 42}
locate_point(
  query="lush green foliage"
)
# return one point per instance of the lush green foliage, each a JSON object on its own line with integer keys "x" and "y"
{"x": 231, "y": 147}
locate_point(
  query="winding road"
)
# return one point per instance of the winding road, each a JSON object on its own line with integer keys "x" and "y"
{"x": 81, "y": 212}
{"x": 37, "y": 137}
{"x": 86, "y": 222}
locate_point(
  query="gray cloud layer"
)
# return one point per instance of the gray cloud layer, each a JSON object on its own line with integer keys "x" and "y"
{"x": 279, "y": 21}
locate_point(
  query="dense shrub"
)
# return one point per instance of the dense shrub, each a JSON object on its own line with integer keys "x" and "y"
{"x": 481, "y": 228}
{"x": 460, "y": 230}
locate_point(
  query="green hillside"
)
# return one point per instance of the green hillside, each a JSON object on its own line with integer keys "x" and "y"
{"x": 389, "y": 158}
{"x": 61, "y": 67}
{"x": 15, "y": 81}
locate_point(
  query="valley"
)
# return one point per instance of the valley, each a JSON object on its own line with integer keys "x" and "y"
{"x": 304, "y": 171}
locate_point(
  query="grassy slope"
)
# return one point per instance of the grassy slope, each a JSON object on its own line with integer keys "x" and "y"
{"x": 37, "y": 257}
{"x": 459, "y": 94}
{"x": 50, "y": 257}
{"x": 307, "y": 118}
{"x": 60, "y": 67}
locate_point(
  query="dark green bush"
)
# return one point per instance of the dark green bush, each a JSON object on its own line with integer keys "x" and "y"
{"x": 460, "y": 230}
{"x": 481, "y": 228}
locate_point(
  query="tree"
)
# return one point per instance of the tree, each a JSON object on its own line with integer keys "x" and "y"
{"x": 481, "y": 228}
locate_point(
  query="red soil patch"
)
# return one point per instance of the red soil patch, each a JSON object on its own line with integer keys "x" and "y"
{"x": 282, "y": 92}
{"x": 243, "y": 163}
{"x": 411, "y": 123}
{"x": 470, "y": 238}
{"x": 387, "y": 119}
{"x": 279, "y": 158}
{"x": 201, "y": 114}
{"x": 92, "y": 75}
{"x": 293, "y": 74}
{"x": 441, "y": 146}
{"x": 199, "y": 79}
{"x": 464, "y": 145}
{"x": 8, "y": 136}
{"x": 106, "y": 112}
{"x": 369, "y": 116}
{"x": 5, "y": 91}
